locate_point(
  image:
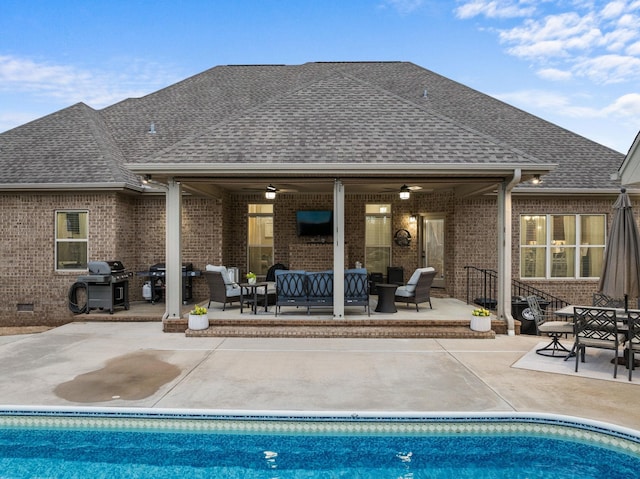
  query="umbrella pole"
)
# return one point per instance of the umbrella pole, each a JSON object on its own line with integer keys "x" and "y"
{"x": 626, "y": 303}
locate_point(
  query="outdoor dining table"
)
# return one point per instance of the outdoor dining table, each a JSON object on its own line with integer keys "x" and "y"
{"x": 568, "y": 311}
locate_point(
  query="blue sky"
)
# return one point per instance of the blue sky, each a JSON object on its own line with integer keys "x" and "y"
{"x": 575, "y": 63}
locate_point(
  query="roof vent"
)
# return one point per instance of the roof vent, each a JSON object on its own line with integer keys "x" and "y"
{"x": 424, "y": 93}
{"x": 152, "y": 128}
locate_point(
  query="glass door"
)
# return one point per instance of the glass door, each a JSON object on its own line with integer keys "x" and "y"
{"x": 433, "y": 228}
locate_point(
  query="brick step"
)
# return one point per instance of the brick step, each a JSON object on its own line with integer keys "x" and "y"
{"x": 340, "y": 329}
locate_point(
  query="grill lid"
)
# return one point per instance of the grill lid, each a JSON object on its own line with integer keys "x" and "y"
{"x": 105, "y": 267}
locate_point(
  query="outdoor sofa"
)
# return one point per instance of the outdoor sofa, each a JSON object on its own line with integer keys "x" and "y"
{"x": 315, "y": 289}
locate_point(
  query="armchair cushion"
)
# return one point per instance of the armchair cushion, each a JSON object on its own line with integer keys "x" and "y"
{"x": 403, "y": 291}
{"x": 410, "y": 287}
{"x": 225, "y": 275}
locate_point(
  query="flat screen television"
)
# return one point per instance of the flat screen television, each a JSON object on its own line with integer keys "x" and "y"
{"x": 314, "y": 223}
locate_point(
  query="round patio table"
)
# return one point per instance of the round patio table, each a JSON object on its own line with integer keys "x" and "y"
{"x": 386, "y": 298}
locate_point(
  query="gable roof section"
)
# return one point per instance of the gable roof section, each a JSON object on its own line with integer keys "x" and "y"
{"x": 340, "y": 119}
{"x": 81, "y": 146}
{"x": 582, "y": 163}
{"x": 69, "y": 147}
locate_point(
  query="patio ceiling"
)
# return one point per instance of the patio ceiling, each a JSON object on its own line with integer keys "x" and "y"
{"x": 361, "y": 179}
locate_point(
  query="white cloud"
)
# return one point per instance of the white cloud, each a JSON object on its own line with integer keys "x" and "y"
{"x": 607, "y": 69}
{"x": 493, "y": 9}
{"x": 613, "y": 9}
{"x": 71, "y": 84}
{"x": 634, "y": 49}
{"x": 625, "y": 106}
{"x": 592, "y": 39}
{"x": 555, "y": 36}
{"x": 554, "y": 74}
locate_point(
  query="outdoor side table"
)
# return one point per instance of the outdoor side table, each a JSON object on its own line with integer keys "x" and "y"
{"x": 252, "y": 293}
{"x": 386, "y": 298}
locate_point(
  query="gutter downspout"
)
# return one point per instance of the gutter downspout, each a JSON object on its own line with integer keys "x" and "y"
{"x": 505, "y": 241}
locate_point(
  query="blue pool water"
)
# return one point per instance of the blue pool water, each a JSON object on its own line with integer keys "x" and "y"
{"x": 42, "y": 446}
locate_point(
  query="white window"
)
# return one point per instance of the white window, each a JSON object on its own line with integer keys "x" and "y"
{"x": 562, "y": 246}
{"x": 377, "y": 254}
{"x": 260, "y": 238}
{"x": 72, "y": 240}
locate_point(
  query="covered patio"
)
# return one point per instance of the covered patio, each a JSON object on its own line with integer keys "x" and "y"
{"x": 449, "y": 318}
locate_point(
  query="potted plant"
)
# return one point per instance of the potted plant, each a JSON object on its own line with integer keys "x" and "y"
{"x": 481, "y": 319}
{"x": 251, "y": 277}
{"x": 198, "y": 318}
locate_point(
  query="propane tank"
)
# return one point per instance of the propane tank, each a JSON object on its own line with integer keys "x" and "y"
{"x": 146, "y": 291}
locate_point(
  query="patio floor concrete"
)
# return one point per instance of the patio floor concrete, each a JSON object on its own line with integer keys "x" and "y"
{"x": 135, "y": 364}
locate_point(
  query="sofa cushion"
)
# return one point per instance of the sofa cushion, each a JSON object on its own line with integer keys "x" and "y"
{"x": 225, "y": 276}
{"x": 413, "y": 281}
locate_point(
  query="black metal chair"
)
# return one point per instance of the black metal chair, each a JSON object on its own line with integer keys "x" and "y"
{"x": 604, "y": 301}
{"x": 554, "y": 329}
{"x": 597, "y": 328}
{"x": 633, "y": 338}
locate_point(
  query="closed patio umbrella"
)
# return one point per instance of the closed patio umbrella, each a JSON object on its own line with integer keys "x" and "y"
{"x": 621, "y": 270}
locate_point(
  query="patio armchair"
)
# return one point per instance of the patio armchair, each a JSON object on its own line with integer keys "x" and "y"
{"x": 221, "y": 288}
{"x": 596, "y": 328}
{"x": 418, "y": 288}
{"x": 554, "y": 329}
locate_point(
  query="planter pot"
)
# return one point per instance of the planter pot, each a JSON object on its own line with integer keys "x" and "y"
{"x": 251, "y": 280}
{"x": 480, "y": 323}
{"x": 198, "y": 321}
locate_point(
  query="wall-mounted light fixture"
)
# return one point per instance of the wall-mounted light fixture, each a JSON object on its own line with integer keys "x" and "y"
{"x": 270, "y": 192}
{"x": 146, "y": 179}
{"x": 413, "y": 218}
{"x": 536, "y": 180}
{"x": 405, "y": 192}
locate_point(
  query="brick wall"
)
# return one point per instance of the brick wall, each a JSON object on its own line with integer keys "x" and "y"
{"x": 132, "y": 229}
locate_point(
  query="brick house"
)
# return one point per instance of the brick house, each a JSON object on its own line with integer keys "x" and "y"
{"x": 179, "y": 176}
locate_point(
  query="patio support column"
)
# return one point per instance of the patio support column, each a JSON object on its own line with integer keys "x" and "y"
{"x": 338, "y": 250}
{"x": 505, "y": 239}
{"x": 173, "y": 251}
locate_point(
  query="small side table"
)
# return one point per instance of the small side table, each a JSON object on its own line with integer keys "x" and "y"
{"x": 252, "y": 290}
{"x": 386, "y": 298}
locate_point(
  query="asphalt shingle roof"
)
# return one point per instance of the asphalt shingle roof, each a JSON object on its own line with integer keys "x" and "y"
{"x": 355, "y": 112}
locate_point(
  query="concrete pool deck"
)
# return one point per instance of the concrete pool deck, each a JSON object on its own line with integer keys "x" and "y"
{"x": 137, "y": 365}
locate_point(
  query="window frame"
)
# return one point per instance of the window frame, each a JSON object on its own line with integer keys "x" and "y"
{"x": 58, "y": 240}
{"x": 550, "y": 245}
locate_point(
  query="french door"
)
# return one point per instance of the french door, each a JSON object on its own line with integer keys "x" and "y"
{"x": 433, "y": 228}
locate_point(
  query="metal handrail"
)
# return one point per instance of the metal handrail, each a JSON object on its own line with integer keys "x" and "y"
{"x": 482, "y": 289}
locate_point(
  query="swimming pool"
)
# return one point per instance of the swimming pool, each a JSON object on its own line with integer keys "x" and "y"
{"x": 112, "y": 443}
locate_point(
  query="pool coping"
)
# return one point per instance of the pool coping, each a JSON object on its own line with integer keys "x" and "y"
{"x": 323, "y": 422}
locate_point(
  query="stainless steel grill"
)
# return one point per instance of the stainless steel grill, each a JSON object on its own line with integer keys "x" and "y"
{"x": 157, "y": 274}
{"x": 107, "y": 285}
